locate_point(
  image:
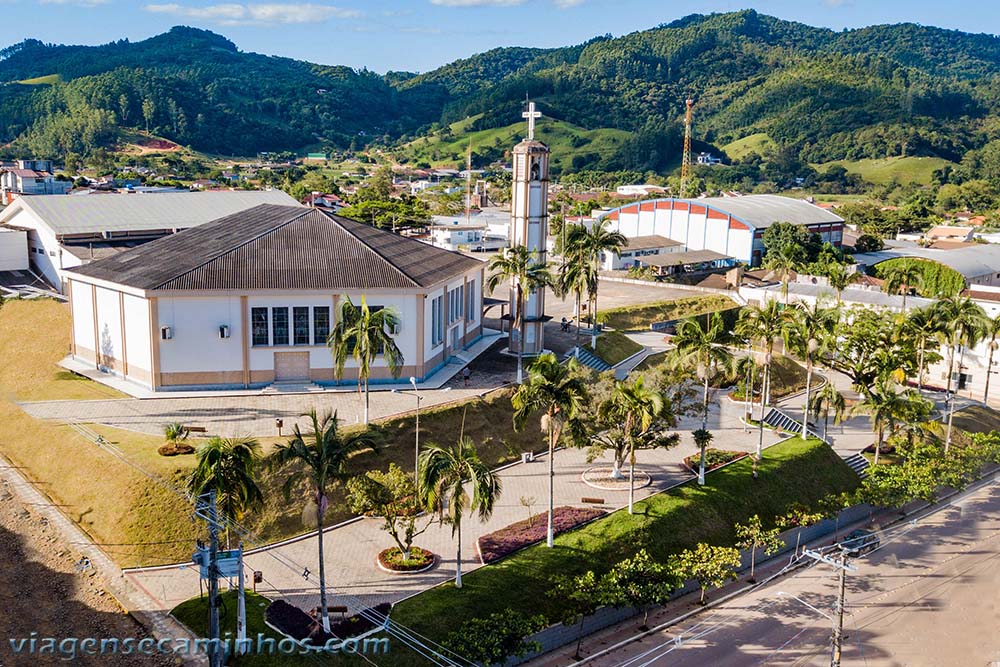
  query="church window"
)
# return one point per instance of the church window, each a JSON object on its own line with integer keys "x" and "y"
{"x": 321, "y": 324}
{"x": 300, "y": 325}
{"x": 279, "y": 326}
{"x": 437, "y": 320}
{"x": 470, "y": 302}
{"x": 258, "y": 319}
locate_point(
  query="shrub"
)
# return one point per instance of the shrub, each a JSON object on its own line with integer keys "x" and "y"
{"x": 292, "y": 621}
{"x": 503, "y": 542}
{"x": 399, "y": 561}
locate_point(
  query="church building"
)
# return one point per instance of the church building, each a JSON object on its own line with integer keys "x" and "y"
{"x": 249, "y": 299}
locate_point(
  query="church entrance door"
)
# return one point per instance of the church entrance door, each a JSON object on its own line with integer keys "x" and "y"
{"x": 291, "y": 366}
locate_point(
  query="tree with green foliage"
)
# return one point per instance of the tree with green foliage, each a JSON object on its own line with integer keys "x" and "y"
{"x": 320, "y": 457}
{"x": 576, "y": 274}
{"x": 902, "y": 278}
{"x": 594, "y": 244}
{"x": 868, "y": 243}
{"x": 580, "y": 596}
{"x": 765, "y": 325}
{"x": 526, "y": 275}
{"x": 441, "y": 488}
{"x": 930, "y": 278}
{"x": 828, "y": 400}
{"x": 839, "y": 278}
{"x": 752, "y": 535}
{"x": 992, "y": 332}
{"x": 639, "y": 582}
{"x": 798, "y": 516}
{"x": 365, "y": 334}
{"x": 228, "y": 466}
{"x": 495, "y": 639}
{"x": 808, "y": 329}
{"x": 392, "y": 496}
{"x": 924, "y": 326}
{"x": 886, "y": 406}
{"x": 557, "y": 392}
{"x": 779, "y": 237}
{"x": 785, "y": 260}
{"x": 710, "y": 566}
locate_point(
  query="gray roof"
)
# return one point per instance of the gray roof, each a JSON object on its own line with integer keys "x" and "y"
{"x": 281, "y": 247}
{"x": 971, "y": 261}
{"x": 761, "y": 211}
{"x": 650, "y": 242}
{"x": 853, "y": 295}
{"x": 683, "y": 258}
{"x": 67, "y": 215}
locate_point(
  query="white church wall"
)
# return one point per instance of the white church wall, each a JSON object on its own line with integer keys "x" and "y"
{"x": 109, "y": 330}
{"x": 83, "y": 321}
{"x": 13, "y": 250}
{"x": 195, "y": 345}
{"x": 138, "y": 352}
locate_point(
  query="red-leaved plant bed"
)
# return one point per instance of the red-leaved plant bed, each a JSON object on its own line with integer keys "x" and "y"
{"x": 503, "y": 542}
{"x": 299, "y": 625}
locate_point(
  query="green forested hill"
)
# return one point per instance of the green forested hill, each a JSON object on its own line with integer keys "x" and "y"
{"x": 819, "y": 95}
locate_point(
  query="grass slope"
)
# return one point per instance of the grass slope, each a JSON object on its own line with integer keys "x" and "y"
{"x": 902, "y": 170}
{"x": 565, "y": 140}
{"x": 47, "y": 80}
{"x": 793, "y": 471}
{"x": 614, "y": 347}
{"x": 758, "y": 143}
{"x": 632, "y": 318}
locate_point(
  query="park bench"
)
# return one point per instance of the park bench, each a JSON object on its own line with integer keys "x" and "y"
{"x": 195, "y": 429}
{"x": 592, "y": 501}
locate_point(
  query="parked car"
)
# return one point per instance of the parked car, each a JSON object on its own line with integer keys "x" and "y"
{"x": 860, "y": 542}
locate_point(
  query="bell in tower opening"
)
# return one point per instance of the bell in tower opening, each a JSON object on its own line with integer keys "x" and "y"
{"x": 529, "y": 227}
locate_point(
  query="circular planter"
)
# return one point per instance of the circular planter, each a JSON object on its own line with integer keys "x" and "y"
{"x": 600, "y": 478}
{"x": 384, "y": 564}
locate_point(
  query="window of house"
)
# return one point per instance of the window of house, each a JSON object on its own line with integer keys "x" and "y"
{"x": 279, "y": 326}
{"x": 437, "y": 320}
{"x": 258, "y": 320}
{"x": 321, "y": 324}
{"x": 470, "y": 302}
{"x": 300, "y": 325}
{"x": 455, "y": 303}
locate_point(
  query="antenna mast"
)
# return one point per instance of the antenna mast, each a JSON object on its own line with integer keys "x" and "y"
{"x": 686, "y": 158}
{"x": 468, "y": 184}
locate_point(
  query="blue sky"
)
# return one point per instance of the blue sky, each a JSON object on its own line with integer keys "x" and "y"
{"x": 418, "y": 35}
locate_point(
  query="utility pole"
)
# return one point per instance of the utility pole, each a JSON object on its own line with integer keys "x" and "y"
{"x": 241, "y": 607}
{"x": 214, "y": 655}
{"x": 837, "y": 637}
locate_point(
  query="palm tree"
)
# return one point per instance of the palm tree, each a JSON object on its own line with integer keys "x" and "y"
{"x": 443, "y": 474}
{"x": 577, "y": 275}
{"x": 993, "y": 330}
{"x": 825, "y": 401}
{"x": 784, "y": 260}
{"x": 968, "y": 324}
{"x": 320, "y": 457}
{"x": 597, "y": 241}
{"x": 886, "y": 407}
{"x": 840, "y": 278}
{"x": 702, "y": 347}
{"x": 924, "y": 325}
{"x": 526, "y": 275}
{"x": 364, "y": 334}
{"x": 808, "y": 327}
{"x": 228, "y": 466}
{"x": 559, "y": 393}
{"x": 901, "y": 277}
{"x": 764, "y": 323}
{"x": 637, "y": 408}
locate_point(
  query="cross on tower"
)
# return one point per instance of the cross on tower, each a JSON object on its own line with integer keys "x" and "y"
{"x": 531, "y": 115}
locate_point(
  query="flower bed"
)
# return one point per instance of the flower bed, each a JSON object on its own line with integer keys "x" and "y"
{"x": 392, "y": 559}
{"x": 503, "y": 542}
{"x": 297, "y": 624}
{"x": 714, "y": 458}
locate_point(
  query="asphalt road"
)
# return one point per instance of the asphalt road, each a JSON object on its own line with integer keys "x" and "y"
{"x": 929, "y": 596}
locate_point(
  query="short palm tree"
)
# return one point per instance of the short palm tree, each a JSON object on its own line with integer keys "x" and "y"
{"x": 228, "y": 466}
{"x": 806, "y": 331}
{"x": 924, "y": 325}
{"x": 597, "y": 241}
{"x": 968, "y": 324}
{"x": 840, "y": 278}
{"x": 443, "y": 476}
{"x": 784, "y": 260}
{"x": 526, "y": 275}
{"x": 365, "y": 334}
{"x": 886, "y": 407}
{"x": 992, "y": 331}
{"x": 320, "y": 457}
{"x": 637, "y": 408}
{"x": 901, "y": 277}
{"x": 556, "y": 391}
{"x": 701, "y": 346}
{"x": 828, "y": 400}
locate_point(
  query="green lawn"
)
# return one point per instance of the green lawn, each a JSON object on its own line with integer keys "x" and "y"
{"x": 614, "y": 347}
{"x": 758, "y": 143}
{"x": 47, "y": 80}
{"x": 633, "y": 318}
{"x": 793, "y": 471}
{"x": 903, "y": 170}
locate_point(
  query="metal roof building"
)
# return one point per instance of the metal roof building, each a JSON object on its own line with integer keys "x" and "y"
{"x": 979, "y": 264}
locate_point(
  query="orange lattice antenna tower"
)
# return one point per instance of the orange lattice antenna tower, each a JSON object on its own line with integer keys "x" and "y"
{"x": 686, "y": 158}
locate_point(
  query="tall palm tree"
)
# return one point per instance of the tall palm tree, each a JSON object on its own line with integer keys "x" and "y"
{"x": 526, "y": 275}
{"x": 597, "y": 241}
{"x": 924, "y": 325}
{"x": 765, "y": 324}
{"x": 555, "y": 390}
{"x": 886, "y": 407}
{"x": 840, "y": 278}
{"x": 365, "y": 334}
{"x": 968, "y": 325}
{"x": 784, "y": 260}
{"x": 992, "y": 330}
{"x": 826, "y": 401}
{"x": 320, "y": 456}
{"x": 701, "y": 346}
{"x": 443, "y": 475}
{"x": 637, "y": 408}
{"x": 228, "y": 466}
{"x": 808, "y": 328}
{"x": 901, "y": 277}
{"x": 577, "y": 275}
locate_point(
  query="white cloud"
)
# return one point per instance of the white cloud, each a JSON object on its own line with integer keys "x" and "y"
{"x": 261, "y": 14}
{"x": 78, "y": 3}
{"x": 477, "y": 3}
{"x": 568, "y": 4}
{"x": 838, "y": 3}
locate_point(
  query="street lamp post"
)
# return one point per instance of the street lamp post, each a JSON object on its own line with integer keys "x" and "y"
{"x": 416, "y": 455}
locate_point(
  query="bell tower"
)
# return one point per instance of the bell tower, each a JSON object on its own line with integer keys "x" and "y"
{"x": 529, "y": 226}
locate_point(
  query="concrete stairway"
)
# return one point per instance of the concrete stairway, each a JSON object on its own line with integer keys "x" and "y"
{"x": 859, "y": 464}
{"x": 589, "y": 359}
{"x": 300, "y": 387}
